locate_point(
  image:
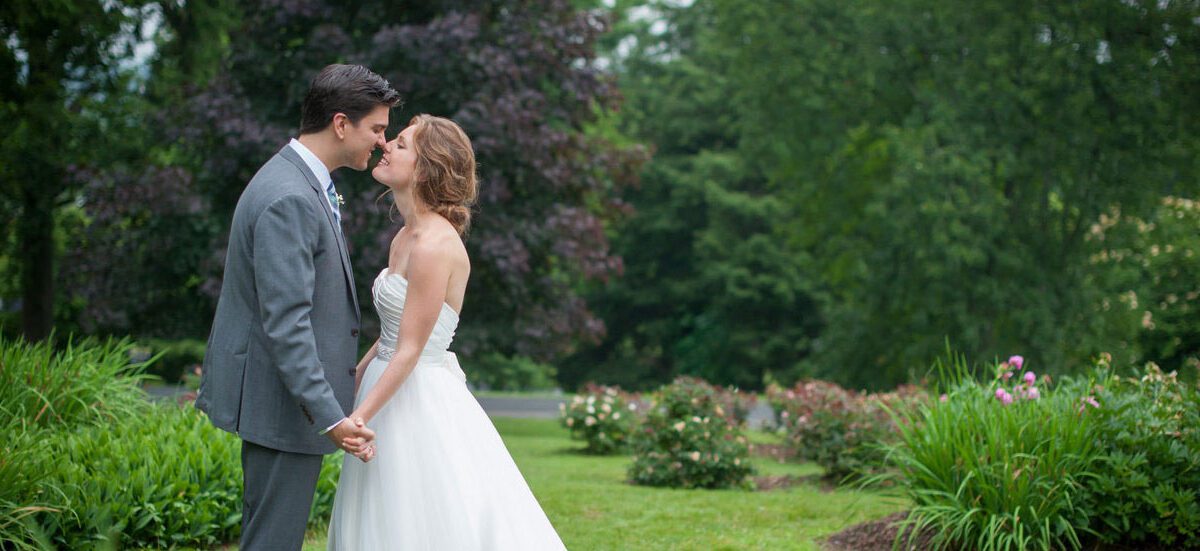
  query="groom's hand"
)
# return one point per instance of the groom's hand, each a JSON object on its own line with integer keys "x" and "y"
{"x": 368, "y": 450}
{"x": 351, "y": 436}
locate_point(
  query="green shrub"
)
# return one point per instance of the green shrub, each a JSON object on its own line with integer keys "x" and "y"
{"x": 88, "y": 461}
{"x": 165, "y": 478}
{"x": 322, "y": 507}
{"x": 601, "y": 416}
{"x": 1145, "y": 491}
{"x": 843, "y": 431}
{"x": 174, "y": 358}
{"x": 44, "y": 391}
{"x": 24, "y": 492}
{"x": 686, "y": 441}
{"x": 88, "y": 381}
{"x": 996, "y": 466}
{"x": 499, "y": 372}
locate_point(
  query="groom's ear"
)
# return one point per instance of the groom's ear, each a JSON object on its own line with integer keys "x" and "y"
{"x": 340, "y": 121}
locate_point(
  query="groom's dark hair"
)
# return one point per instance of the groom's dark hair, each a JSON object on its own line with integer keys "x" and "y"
{"x": 349, "y": 89}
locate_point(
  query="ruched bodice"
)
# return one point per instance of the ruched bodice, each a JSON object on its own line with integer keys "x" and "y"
{"x": 389, "y": 291}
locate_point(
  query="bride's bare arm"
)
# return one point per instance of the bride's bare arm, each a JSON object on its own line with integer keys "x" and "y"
{"x": 362, "y": 365}
{"x": 429, "y": 272}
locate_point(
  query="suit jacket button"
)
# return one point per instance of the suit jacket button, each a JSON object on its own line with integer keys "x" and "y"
{"x": 354, "y": 332}
{"x": 353, "y": 371}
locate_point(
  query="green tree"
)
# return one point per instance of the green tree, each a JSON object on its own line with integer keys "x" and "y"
{"x": 942, "y": 163}
{"x": 707, "y": 289}
{"x": 61, "y": 83}
{"x": 521, "y": 80}
{"x": 138, "y": 234}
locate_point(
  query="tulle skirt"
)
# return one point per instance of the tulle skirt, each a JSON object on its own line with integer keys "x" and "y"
{"x": 441, "y": 478}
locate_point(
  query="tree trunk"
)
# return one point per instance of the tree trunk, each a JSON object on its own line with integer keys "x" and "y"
{"x": 35, "y": 235}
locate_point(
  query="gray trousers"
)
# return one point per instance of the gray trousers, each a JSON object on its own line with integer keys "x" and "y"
{"x": 278, "y": 494}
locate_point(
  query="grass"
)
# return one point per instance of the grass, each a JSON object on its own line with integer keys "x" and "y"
{"x": 592, "y": 507}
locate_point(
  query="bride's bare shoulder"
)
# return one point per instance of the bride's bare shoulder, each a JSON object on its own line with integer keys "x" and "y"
{"x": 443, "y": 246}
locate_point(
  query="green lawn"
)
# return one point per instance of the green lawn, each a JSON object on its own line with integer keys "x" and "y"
{"x": 592, "y": 507}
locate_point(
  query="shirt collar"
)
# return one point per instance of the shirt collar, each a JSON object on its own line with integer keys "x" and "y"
{"x": 314, "y": 164}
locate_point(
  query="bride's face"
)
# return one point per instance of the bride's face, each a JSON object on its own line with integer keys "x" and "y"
{"x": 396, "y": 167}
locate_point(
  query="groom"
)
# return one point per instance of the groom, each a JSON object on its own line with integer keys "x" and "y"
{"x": 280, "y": 364}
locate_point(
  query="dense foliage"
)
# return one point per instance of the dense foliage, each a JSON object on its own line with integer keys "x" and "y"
{"x": 987, "y": 468}
{"x": 1020, "y": 463}
{"x": 89, "y": 461}
{"x": 943, "y": 165}
{"x": 1145, "y": 489}
{"x": 836, "y": 189}
{"x": 840, "y": 188}
{"x": 144, "y": 242}
{"x": 521, "y": 81}
{"x": 1152, "y": 264}
{"x": 707, "y": 290}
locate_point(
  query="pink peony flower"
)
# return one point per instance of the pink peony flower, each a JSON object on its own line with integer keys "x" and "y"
{"x": 1030, "y": 378}
{"x": 1016, "y": 361}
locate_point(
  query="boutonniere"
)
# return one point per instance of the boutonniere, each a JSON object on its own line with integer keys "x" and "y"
{"x": 340, "y": 201}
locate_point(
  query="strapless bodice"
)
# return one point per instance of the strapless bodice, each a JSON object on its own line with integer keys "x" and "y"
{"x": 389, "y": 292}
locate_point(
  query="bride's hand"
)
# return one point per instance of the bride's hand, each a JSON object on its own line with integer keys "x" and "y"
{"x": 368, "y": 451}
{"x": 367, "y": 454}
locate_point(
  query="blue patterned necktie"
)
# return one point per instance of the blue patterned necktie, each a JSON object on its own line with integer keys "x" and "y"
{"x": 333, "y": 201}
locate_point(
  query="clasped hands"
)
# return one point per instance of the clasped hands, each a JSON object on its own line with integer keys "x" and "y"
{"x": 353, "y": 436}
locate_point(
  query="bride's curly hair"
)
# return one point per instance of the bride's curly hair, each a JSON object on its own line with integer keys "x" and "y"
{"x": 444, "y": 175}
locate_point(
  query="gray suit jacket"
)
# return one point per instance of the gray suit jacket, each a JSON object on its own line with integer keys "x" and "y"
{"x": 279, "y": 367}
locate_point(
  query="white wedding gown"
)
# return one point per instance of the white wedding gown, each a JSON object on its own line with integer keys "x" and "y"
{"x": 441, "y": 478}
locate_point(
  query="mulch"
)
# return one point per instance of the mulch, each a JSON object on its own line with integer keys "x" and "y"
{"x": 876, "y": 535}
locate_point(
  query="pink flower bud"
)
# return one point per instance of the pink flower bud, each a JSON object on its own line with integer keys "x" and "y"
{"x": 1000, "y": 393}
{"x": 1016, "y": 361}
{"x": 1007, "y": 399}
{"x": 1030, "y": 378}
{"x": 943, "y": 398}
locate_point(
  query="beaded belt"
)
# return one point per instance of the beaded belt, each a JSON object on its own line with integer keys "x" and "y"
{"x": 444, "y": 359}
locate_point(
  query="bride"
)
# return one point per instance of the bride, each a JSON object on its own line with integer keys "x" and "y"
{"x": 439, "y": 475}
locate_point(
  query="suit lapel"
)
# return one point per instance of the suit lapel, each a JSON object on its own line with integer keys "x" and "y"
{"x": 290, "y": 154}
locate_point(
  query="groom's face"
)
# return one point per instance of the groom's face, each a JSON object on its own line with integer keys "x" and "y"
{"x": 361, "y": 139}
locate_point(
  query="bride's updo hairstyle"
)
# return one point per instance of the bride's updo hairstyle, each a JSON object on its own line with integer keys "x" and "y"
{"x": 444, "y": 175}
